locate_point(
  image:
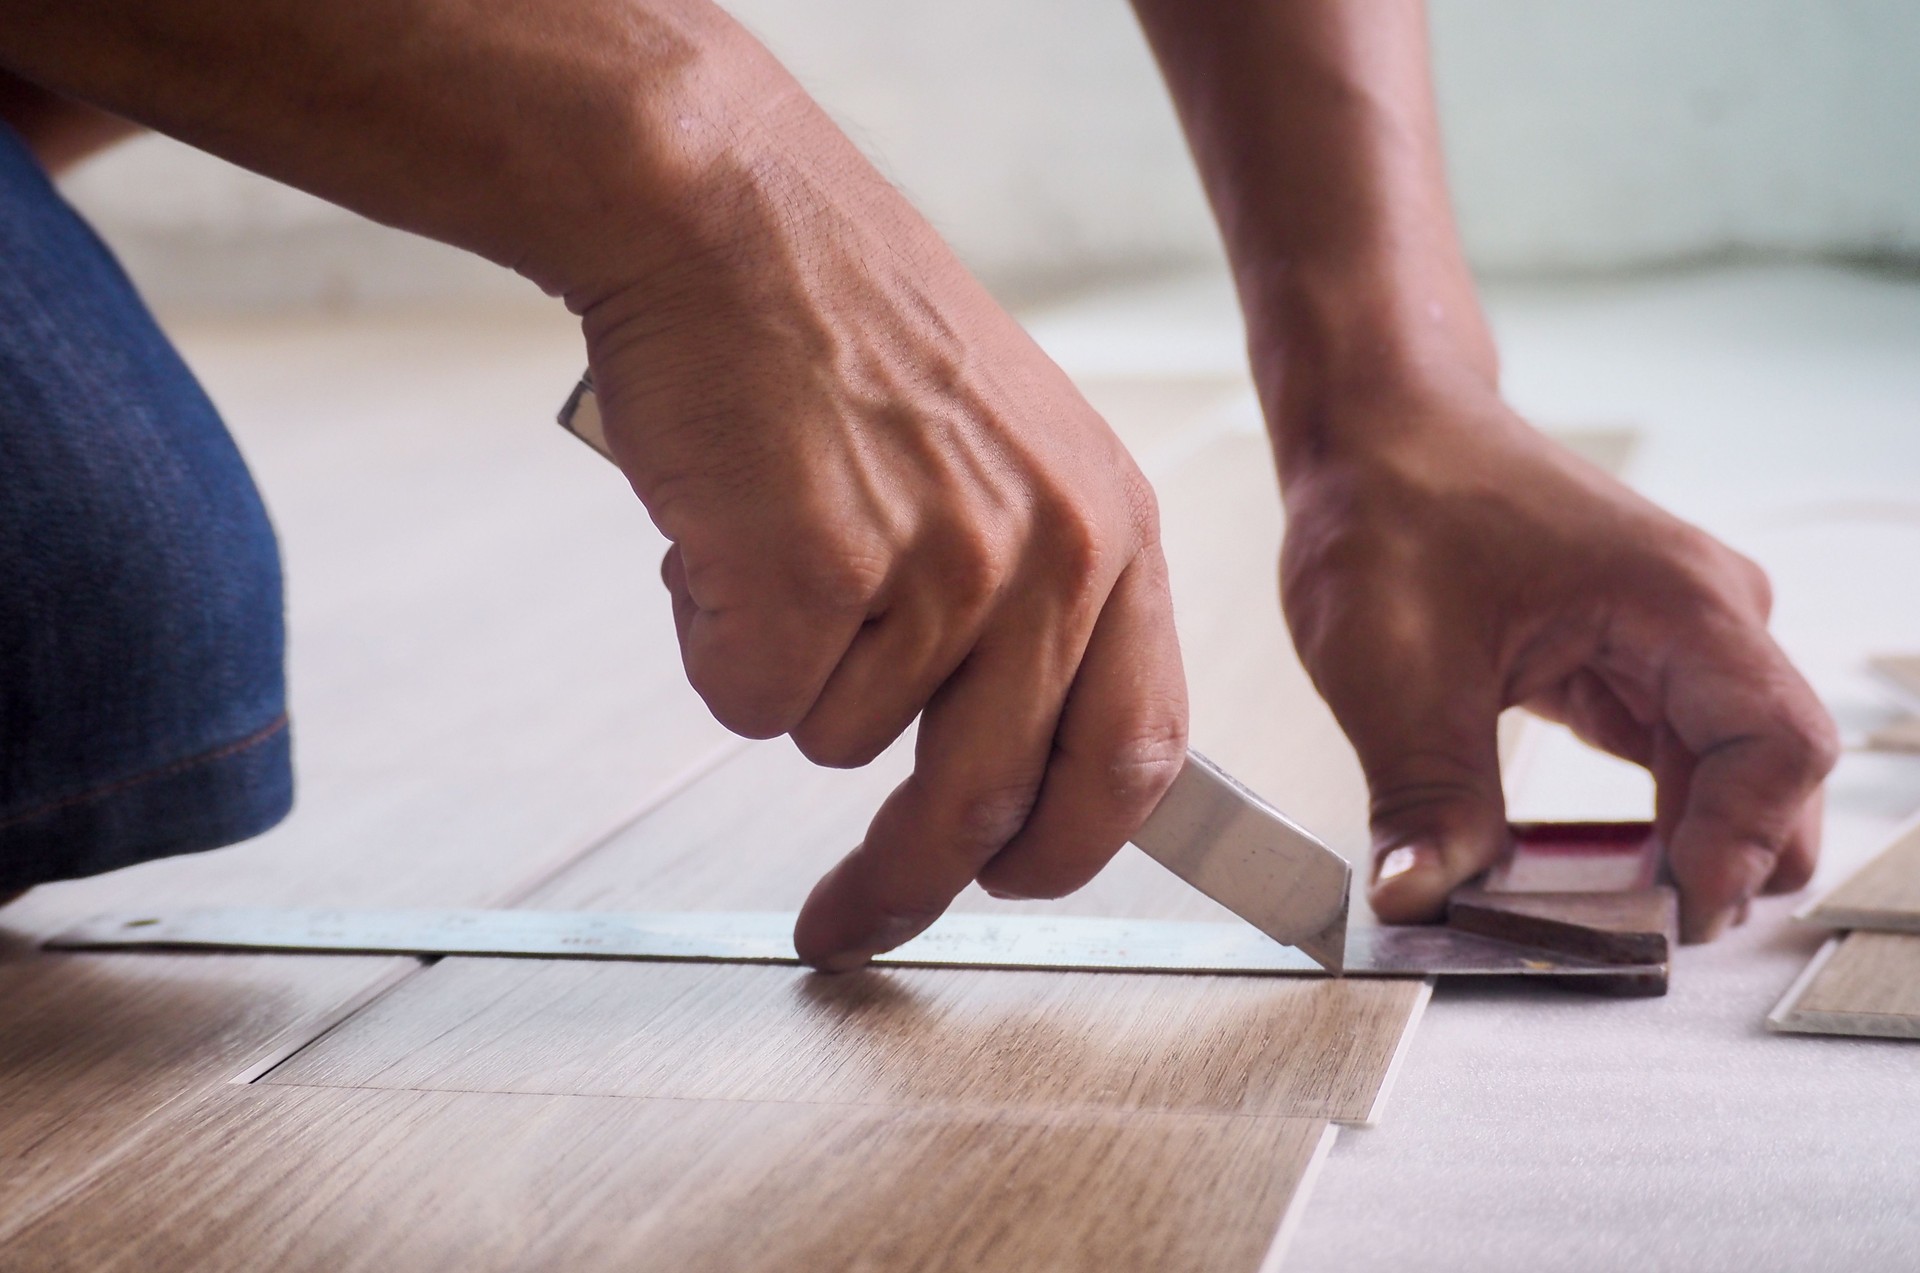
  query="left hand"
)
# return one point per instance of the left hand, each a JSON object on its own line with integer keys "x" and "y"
{"x": 1444, "y": 561}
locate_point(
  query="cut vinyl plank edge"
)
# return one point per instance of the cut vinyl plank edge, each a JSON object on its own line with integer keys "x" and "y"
{"x": 1782, "y": 1012}
{"x": 1296, "y": 1207}
{"x": 1850, "y": 1025}
{"x": 1851, "y": 919}
{"x": 1026, "y": 1114}
{"x": 1400, "y": 1050}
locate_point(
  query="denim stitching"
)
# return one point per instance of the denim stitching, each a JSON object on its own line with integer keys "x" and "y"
{"x": 123, "y": 784}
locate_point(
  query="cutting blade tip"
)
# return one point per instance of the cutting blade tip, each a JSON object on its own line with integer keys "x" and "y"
{"x": 1329, "y": 946}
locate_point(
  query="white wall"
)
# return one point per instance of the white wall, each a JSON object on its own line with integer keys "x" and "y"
{"x": 1606, "y": 133}
{"x": 1582, "y": 134}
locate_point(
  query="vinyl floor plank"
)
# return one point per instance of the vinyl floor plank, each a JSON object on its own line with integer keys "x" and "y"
{"x": 1884, "y": 894}
{"x": 1860, "y": 984}
{"x": 93, "y": 1049}
{"x": 301, "y": 1179}
{"x": 1275, "y": 1046}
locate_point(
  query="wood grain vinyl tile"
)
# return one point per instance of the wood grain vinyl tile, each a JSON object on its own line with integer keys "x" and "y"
{"x": 94, "y": 1048}
{"x": 1884, "y": 894}
{"x": 298, "y": 1179}
{"x": 1285, "y": 1046}
{"x": 1864, "y": 984}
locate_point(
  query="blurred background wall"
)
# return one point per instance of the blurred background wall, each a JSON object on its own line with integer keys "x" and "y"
{"x": 1583, "y": 136}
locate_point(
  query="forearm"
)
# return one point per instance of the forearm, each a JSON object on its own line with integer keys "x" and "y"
{"x": 579, "y": 141}
{"x": 61, "y": 132}
{"x": 1313, "y": 125}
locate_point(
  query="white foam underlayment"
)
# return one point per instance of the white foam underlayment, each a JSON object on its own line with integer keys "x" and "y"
{"x": 1535, "y": 1130}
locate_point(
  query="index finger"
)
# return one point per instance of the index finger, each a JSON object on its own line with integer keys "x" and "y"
{"x": 985, "y": 738}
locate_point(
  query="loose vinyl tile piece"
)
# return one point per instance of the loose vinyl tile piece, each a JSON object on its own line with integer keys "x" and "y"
{"x": 1883, "y": 895}
{"x": 1859, "y": 984}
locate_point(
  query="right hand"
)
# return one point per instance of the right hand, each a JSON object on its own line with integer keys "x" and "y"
{"x": 886, "y": 503}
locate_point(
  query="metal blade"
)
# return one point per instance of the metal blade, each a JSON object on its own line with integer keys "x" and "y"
{"x": 1052, "y": 943}
{"x": 1246, "y": 855}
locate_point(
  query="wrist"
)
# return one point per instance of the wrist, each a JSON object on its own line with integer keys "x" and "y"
{"x": 692, "y": 154}
{"x": 1341, "y": 349}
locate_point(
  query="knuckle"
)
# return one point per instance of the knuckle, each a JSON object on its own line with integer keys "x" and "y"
{"x": 991, "y": 816}
{"x": 1428, "y": 787}
{"x": 840, "y": 573}
{"x": 1076, "y": 545}
{"x": 1035, "y": 881}
{"x": 972, "y": 568}
{"x": 746, "y": 716}
{"x": 1729, "y": 577}
{"x": 1758, "y": 586}
{"x": 1147, "y": 754}
{"x": 837, "y": 745}
{"x": 750, "y": 709}
{"x": 1811, "y": 743}
{"x": 1143, "y": 504}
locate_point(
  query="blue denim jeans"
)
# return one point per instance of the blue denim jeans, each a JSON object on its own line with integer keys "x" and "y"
{"x": 142, "y": 694}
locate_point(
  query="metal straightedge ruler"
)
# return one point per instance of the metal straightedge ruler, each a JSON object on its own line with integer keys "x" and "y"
{"x": 1052, "y": 943}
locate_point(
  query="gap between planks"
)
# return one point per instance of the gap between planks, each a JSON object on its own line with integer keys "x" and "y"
{"x": 291, "y": 1045}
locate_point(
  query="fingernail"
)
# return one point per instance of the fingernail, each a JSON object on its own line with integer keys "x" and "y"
{"x": 884, "y": 936}
{"x": 1404, "y": 860}
{"x": 1004, "y": 895}
{"x": 845, "y": 961}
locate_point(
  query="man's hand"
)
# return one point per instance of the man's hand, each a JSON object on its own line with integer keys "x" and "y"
{"x": 886, "y": 503}
{"x": 1442, "y": 560}
{"x": 1459, "y": 564}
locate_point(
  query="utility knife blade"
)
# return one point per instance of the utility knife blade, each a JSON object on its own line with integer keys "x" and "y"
{"x": 1246, "y": 855}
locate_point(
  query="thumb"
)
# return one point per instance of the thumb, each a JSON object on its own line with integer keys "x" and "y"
{"x": 1432, "y": 761}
